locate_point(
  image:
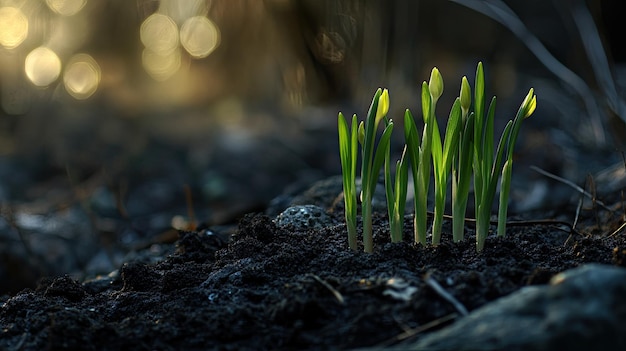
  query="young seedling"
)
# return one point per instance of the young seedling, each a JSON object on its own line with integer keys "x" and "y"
{"x": 396, "y": 194}
{"x": 526, "y": 109}
{"x": 468, "y": 146}
{"x": 372, "y": 158}
{"x": 420, "y": 154}
{"x": 489, "y": 166}
{"x": 420, "y": 183}
{"x": 442, "y": 162}
{"x": 348, "y": 140}
{"x": 462, "y": 164}
{"x": 486, "y": 172}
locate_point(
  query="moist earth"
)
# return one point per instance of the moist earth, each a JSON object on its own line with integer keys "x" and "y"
{"x": 285, "y": 287}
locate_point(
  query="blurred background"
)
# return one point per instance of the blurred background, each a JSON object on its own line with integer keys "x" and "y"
{"x": 120, "y": 120}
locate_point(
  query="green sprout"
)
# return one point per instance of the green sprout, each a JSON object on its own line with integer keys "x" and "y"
{"x": 468, "y": 146}
{"x": 489, "y": 166}
{"x": 420, "y": 154}
{"x": 442, "y": 162}
{"x": 396, "y": 194}
{"x": 348, "y": 148}
{"x": 372, "y": 158}
{"x": 486, "y": 168}
{"x": 526, "y": 109}
{"x": 462, "y": 164}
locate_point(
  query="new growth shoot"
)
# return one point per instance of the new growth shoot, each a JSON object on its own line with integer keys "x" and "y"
{"x": 372, "y": 158}
{"x": 488, "y": 166}
{"x": 466, "y": 150}
{"x": 462, "y": 163}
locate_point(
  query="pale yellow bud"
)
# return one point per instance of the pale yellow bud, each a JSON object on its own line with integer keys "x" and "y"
{"x": 383, "y": 106}
{"x": 465, "y": 95}
{"x": 435, "y": 85}
{"x": 361, "y": 131}
{"x": 530, "y": 103}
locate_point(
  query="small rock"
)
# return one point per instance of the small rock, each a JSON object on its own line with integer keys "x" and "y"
{"x": 303, "y": 217}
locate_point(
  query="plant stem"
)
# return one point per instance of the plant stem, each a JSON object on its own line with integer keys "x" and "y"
{"x": 504, "y": 197}
{"x": 368, "y": 241}
{"x": 482, "y": 226}
{"x": 459, "y": 208}
{"x": 348, "y": 144}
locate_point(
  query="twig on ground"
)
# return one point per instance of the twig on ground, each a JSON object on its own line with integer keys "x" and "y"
{"x": 578, "y": 208}
{"x": 576, "y": 216}
{"x": 430, "y": 281}
{"x": 570, "y": 184}
{"x": 616, "y": 231}
{"x": 325, "y": 284}
{"x": 525, "y": 223}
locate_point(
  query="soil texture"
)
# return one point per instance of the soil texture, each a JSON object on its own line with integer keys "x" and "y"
{"x": 270, "y": 288}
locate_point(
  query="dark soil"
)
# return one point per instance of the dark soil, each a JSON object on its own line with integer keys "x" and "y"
{"x": 276, "y": 288}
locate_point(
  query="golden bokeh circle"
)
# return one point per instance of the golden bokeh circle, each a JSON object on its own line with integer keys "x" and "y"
{"x": 42, "y": 66}
{"x": 159, "y": 34}
{"x": 82, "y": 76}
{"x": 13, "y": 27}
{"x": 199, "y": 36}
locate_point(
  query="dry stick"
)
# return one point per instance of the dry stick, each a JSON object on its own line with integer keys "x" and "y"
{"x": 335, "y": 293}
{"x": 578, "y": 208}
{"x": 617, "y": 230}
{"x": 571, "y": 184}
{"x": 576, "y": 216}
{"x": 582, "y": 192}
{"x": 524, "y": 223}
{"x": 430, "y": 281}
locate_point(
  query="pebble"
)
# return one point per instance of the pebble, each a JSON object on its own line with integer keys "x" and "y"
{"x": 303, "y": 217}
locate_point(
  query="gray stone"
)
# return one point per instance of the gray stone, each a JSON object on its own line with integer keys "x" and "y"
{"x": 303, "y": 217}
{"x": 581, "y": 309}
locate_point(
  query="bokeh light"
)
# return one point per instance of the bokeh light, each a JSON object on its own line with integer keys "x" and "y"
{"x": 66, "y": 7}
{"x": 161, "y": 67}
{"x": 42, "y": 66}
{"x": 159, "y": 34}
{"x": 199, "y": 36}
{"x": 82, "y": 76}
{"x": 13, "y": 27}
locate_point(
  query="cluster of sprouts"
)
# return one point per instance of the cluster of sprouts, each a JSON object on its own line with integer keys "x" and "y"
{"x": 467, "y": 151}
